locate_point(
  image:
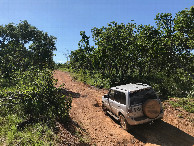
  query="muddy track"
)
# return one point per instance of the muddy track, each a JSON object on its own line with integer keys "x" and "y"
{"x": 104, "y": 130}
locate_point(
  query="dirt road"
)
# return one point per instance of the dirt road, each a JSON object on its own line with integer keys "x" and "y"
{"x": 104, "y": 130}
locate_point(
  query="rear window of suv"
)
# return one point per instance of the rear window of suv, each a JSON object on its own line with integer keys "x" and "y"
{"x": 141, "y": 96}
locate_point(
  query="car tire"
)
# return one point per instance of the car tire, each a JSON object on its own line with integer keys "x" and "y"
{"x": 151, "y": 108}
{"x": 123, "y": 123}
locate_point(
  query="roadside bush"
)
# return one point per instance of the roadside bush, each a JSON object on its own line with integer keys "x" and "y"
{"x": 29, "y": 100}
{"x": 185, "y": 103}
{"x": 34, "y": 134}
{"x": 26, "y": 80}
{"x": 30, "y": 109}
{"x": 37, "y": 96}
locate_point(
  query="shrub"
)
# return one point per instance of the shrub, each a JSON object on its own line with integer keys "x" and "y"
{"x": 37, "y": 96}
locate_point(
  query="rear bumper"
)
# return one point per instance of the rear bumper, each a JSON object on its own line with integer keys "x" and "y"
{"x": 142, "y": 120}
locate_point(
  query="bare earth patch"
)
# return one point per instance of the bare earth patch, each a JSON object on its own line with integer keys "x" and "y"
{"x": 174, "y": 129}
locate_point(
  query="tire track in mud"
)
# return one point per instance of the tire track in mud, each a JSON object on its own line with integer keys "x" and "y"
{"x": 104, "y": 130}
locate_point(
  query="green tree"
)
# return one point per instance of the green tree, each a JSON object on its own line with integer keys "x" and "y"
{"x": 23, "y": 45}
{"x": 26, "y": 79}
{"x": 160, "y": 56}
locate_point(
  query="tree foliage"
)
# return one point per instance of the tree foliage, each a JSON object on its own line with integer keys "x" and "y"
{"x": 159, "y": 55}
{"x": 22, "y": 46}
{"x": 27, "y": 86}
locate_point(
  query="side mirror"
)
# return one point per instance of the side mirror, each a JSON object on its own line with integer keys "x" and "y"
{"x": 106, "y": 96}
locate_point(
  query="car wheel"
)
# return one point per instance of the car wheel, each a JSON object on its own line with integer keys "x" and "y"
{"x": 124, "y": 123}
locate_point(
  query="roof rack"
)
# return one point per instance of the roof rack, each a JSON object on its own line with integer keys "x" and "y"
{"x": 133, "y": 87}
{"x": 139, "y": 84}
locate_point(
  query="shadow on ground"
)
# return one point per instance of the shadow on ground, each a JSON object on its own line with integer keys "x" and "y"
{"x": 71, "y": 133}
{"x": 161, "y": 133}
{"x": 70, "y": 93}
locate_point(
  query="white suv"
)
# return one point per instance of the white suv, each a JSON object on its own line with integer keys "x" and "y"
{"x": 132, "y": 104}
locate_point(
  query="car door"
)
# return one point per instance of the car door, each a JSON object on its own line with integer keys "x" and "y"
{"x": 114, "y": 105}
{"x": 110, "y": 99}
{"x": 119, "y": 104}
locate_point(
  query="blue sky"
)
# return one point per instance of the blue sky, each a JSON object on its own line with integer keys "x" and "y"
{"x": 65, "y": 19}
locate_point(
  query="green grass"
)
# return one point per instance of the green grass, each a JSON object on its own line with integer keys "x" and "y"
{"x": 93, "y": 79}
{"x": 33, "y": 134}
{"x": 64, "y": 69}
{"x": 185, "y": 103}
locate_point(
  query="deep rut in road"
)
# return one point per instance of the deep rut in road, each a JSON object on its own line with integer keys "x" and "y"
{"x": 103, "y": 130}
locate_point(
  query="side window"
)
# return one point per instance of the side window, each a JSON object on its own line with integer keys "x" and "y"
{"x": 120, "y": 97}
{"x": 111, "y": 94}
{"x": 117, "y": 96}
{"x": 123, "y": 98}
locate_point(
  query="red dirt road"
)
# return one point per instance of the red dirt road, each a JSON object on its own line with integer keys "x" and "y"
{"x": 104, "y": 130}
